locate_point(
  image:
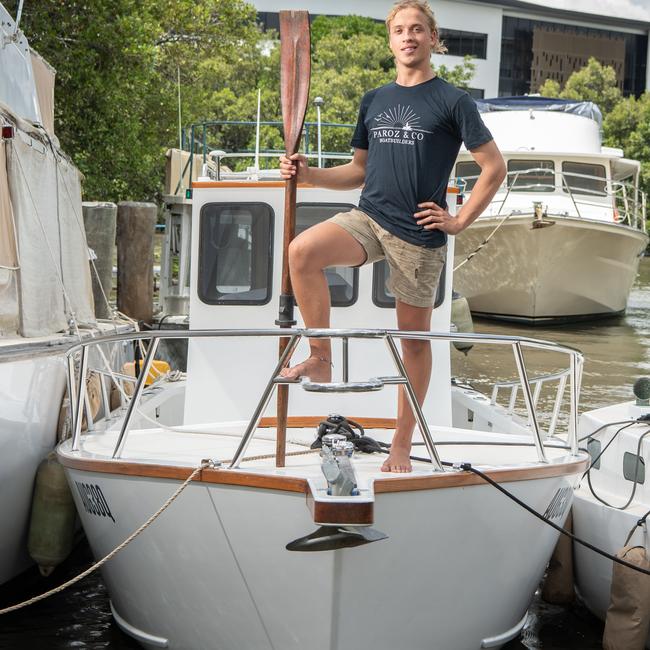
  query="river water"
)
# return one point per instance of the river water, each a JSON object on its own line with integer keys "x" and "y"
{"x": 616, "y": 352}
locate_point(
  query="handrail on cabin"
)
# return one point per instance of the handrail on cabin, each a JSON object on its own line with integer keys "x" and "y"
{"x": 627, "y": 199}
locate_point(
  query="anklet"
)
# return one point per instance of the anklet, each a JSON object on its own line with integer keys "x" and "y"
{"x": 323, "y": 359}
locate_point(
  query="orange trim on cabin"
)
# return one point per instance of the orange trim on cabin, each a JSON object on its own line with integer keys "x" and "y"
{"x": 249, "y": 184}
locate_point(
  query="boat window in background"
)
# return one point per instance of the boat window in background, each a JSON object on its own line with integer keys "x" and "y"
{"x": 343, "y": 282}
{"x": 468, "y": 171}
{"x": 531, "y": 175}
{"x": 633, "y": 468}
{"x": 584, "y": 178}
{"x": 235, "y": 253}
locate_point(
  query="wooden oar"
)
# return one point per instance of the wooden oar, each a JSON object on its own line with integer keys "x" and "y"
{"x": 295, "y": 71}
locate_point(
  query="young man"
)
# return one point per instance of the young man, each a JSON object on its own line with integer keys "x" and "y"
{"x": 405, "y": 144}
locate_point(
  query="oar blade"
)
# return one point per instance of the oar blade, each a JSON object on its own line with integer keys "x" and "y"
{"x": 295, "y": 73}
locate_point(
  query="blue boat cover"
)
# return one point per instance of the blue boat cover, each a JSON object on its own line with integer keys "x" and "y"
{"x": 536, "y": 103}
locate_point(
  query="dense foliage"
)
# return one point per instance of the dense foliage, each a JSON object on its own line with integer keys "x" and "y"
{"x": 118, "y": 62}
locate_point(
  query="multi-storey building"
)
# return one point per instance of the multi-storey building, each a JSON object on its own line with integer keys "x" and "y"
{"x": 514, "y": 45}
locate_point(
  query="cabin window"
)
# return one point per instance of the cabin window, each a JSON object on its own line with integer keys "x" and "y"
{"x": 465, "y": 169}
{"x": 381, "y": 295}
{"x": 630, "y": 471}
{"x": 343, "y": 282}
{"x": 531, "y": 175}
{"x": 235, "y": 253}
{"x": 584, "y": 178}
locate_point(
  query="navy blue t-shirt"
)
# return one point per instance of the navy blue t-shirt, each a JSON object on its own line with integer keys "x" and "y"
{"x": 413, "y": 135}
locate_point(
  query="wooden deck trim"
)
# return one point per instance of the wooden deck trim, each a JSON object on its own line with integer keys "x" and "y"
{"x": 327, "y": 513}
{"x": 295, "y": 484}
{"x": 150, "y": 470}
{"x": 230, "y": 184}
{"x": 437, "y": 481}
{"x": 312, "y": 421}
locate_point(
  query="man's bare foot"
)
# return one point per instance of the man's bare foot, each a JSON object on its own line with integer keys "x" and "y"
{"x": 398, "y": 460}
{"x": 316, "y": 368}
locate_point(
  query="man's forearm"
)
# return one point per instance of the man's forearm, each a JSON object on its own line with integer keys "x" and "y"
{"x": 342, "y": 177}
{"x": 482, "y": 194}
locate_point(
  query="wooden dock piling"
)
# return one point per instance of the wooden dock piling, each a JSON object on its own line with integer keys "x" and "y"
{"x": 100, "y": 222}
{"x": 136, "y": 223}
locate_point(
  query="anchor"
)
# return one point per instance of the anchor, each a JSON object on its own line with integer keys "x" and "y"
{"x": 541, "y": 220}
{"x": 336, "y": 452}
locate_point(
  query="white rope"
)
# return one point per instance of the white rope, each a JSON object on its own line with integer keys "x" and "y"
{"x": 204, "y": 464}
{"x": 483, "y": 243}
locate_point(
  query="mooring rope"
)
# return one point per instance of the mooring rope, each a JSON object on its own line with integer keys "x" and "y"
{"x": 204, "y": 465}
{"x": 483, "y": 243}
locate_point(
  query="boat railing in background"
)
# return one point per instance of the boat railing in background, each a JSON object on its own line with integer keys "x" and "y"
{"x": 538, "y": 383}
{"x": 203, "y": 138}
{"x": 625, "y": 200}
{"x": 78, "y": 369}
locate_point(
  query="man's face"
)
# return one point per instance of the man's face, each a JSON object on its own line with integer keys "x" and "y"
{"x": 410, "y": 38}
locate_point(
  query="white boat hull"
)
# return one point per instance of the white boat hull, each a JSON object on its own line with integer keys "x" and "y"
{"x": 603, "y": 526}
{"x": 576, "y": 268}
{"x": 243, "y": 589}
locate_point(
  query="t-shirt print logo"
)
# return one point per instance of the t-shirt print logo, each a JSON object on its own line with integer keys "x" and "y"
{"x": 398, "y": 125}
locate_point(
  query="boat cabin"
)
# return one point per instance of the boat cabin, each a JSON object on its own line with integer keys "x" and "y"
{"x": 554, "y": 157}
{"x": 235, "y": 277}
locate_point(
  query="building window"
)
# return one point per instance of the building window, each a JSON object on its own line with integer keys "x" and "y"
{"x": 343, "y": 281}
{"x": 476, "y": 93}
{"x": 531, "y": 175}
{"x": 460, "y": 43}
{"x": 381, "y": 294}
{"x": 583, "y": 178}
{"x": 235, "y": 253}
{"x": 529, "y": 47}
{"x": 468, "y": 172}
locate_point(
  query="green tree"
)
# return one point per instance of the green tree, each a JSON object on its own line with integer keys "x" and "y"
{"x": 593, "y": 83}
{"x": 117, "y": 63}
{"x": 550, "y": 88}
{"x": 627, "y": 126}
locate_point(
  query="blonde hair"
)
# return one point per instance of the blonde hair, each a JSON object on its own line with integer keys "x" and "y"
{"x": 423, "y": 6}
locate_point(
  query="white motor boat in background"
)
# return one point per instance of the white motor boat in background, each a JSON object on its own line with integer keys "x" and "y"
{"x": 567, "y": 228}
{"x": 323, "y": 551}
{"x": 46, "y": 301}
{"x": 614, "y": 496}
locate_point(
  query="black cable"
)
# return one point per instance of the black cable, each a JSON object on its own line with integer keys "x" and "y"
{"x": 626, "y": 424}
{"x": 640, "y": 522}
{"x": 636, "y": 475}
{"x": 467, "y": 467}
{"x": 604, "y": 426}
{"x": 611, "y": 440}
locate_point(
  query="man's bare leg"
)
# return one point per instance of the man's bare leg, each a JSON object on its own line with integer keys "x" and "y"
{"x": 314, "y": 250}
{"x": 417, "y": 360}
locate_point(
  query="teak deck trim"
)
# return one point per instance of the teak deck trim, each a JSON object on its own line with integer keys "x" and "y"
{"x": 294, "y": 484}
{"x": 312, "y": 421}
{"x": 249, "y": 184}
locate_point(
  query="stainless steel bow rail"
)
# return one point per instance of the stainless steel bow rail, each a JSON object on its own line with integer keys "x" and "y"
{"x": 78, "y": 356}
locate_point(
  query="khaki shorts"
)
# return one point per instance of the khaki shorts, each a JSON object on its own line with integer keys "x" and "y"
{"x": 414, "y": 270}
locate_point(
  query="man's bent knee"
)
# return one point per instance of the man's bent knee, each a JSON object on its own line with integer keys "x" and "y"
{"x": 301, "y": 256}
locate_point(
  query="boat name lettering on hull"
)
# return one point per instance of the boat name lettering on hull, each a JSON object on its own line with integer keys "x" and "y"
{"x": 559, "y": 503}
{"x": 93, "y": 500}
